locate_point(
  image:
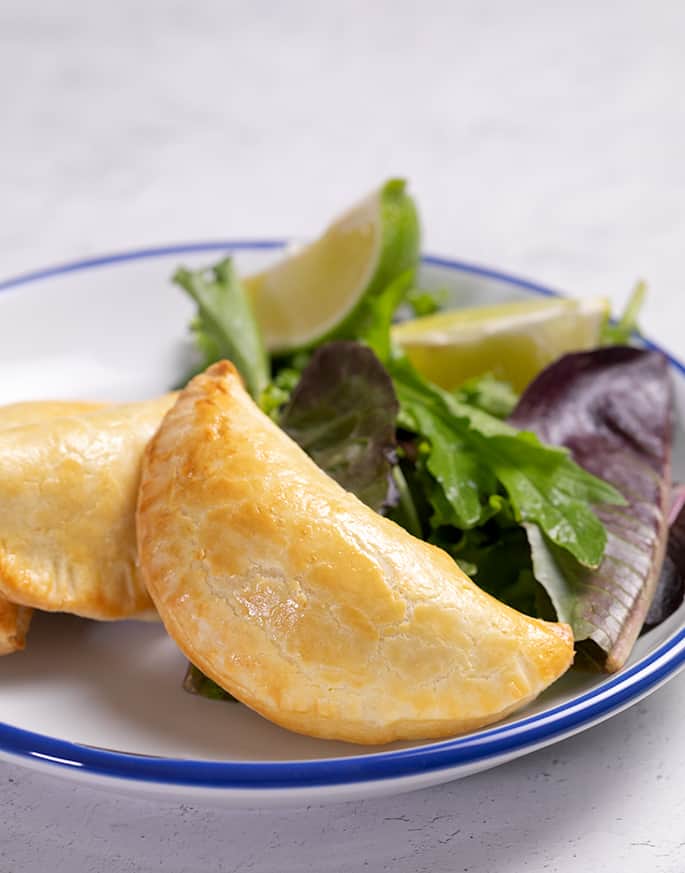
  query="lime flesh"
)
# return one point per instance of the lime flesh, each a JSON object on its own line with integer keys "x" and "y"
{"x": 513, "y": 341}
{"x": 313, "y": 293}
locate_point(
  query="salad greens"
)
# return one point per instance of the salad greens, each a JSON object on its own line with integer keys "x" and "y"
{"x": 475, "y": 460}
{"x": 472, "y": 452}
{"x": 491, "y": 395}
{"x": 554, "y": 503}
{"x": 620, "y": 332}
{"x": 423, "y": 302}
{"x": 374, "y": 316}
{"x": 612, "y": 409}
{"x": 670, "y": 589}
{"x": 195, "y": 682}
{"x": 224, "y": 326}
{"x": 342, "y": 413}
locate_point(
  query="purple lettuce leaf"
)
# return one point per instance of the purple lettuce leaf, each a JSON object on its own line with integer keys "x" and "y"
{"x": 670, "y": 589}
{"x": 612, "y": 408}
{"x": 677, "y": 503}
{"x": 343, "y": 413}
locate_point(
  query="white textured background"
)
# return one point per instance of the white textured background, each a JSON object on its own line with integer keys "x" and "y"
{"x": 545, "y": 138}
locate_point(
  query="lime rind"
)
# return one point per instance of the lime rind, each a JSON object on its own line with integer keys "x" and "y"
{"x": 372, "y": 244}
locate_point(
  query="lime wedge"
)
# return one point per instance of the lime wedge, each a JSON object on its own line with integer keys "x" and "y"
{"x": 313, "y": 294}
{"x": 513, "y": 341}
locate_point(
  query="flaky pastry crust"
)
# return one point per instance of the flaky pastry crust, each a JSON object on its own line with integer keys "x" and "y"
{"x": 68, "y": 489}
{"x": 15, "y": 620}
{"x": 14, "y": 625}
{"x": 321, "y": 615}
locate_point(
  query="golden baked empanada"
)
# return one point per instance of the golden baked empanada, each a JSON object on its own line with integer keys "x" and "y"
{"x": 305, "y": 604}
{"x": 68, "y": 489}
{"x": 15, "y": 620}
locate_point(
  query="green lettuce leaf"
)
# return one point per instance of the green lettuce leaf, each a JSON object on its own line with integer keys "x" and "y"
{"x": 424, "y": 302}
{"x": 371, "y": 324}
{"x": 471, "y": 453}
{"x": 195, "y": 682}
{"x": 343, "y": 413}
{"x": 224, "y": 326}
{"x": 498, "y": 556}
{"x": 622, "y": 331}
{"x": 277, "y": 393}
{"x": 488, "y": 394}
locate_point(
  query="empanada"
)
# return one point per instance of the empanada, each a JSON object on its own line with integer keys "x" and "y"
{"x": 14, "y": 625}
{"x": 68, "y": 489}
{"x": 33, "y": 411}
{"x": 321, "y": 615}
{"x": 15, "y": 620}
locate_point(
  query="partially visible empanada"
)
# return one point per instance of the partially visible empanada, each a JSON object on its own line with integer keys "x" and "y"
{"x": 305, "y": 604}
{"x": 14, "y": 625}
{"x": 15, "y": 620}
{"x": 68, "y": 488}
{"x": 34, "y": 411}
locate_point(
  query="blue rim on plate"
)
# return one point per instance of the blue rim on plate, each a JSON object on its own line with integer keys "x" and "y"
{"x": 629, "y": 685}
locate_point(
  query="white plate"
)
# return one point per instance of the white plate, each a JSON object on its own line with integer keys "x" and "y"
{"x": 103, "y": 702}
